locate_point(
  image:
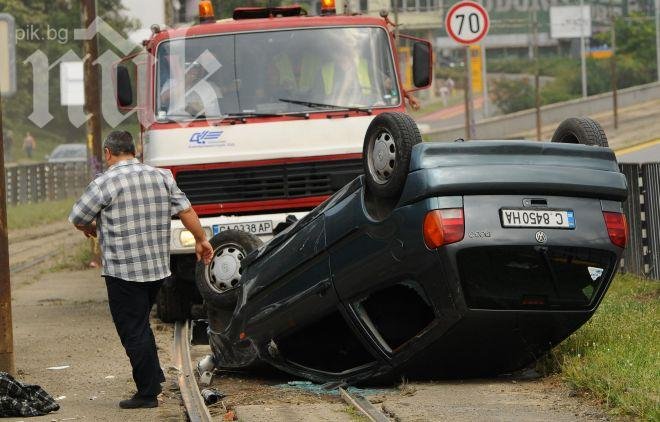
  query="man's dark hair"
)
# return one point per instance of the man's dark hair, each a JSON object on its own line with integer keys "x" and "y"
{"x": 119, "y": 142}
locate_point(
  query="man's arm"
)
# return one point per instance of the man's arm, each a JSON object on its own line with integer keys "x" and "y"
{"x": 203, "y": 248}
{"x": 86, "y": 210}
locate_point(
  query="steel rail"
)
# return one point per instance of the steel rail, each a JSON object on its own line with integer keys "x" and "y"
{"x": 192, "y": 399}
{"x": 363, "y": 406}
{"x": 33, "y": 262}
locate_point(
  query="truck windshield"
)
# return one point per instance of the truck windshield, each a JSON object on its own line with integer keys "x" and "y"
{"x": 275, "y": 72}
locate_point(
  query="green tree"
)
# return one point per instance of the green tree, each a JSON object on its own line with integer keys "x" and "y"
{"x": 48, "y": 25}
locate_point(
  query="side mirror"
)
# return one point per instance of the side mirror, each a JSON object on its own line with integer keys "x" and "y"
{"x": 422, "y": 64}
{"x": 124, "y": 88}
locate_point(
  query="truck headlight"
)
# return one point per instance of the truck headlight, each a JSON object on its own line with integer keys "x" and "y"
{"x": 187, "y": 239}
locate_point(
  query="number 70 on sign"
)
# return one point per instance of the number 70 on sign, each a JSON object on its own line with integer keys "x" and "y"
{"x": 467, "y": 22}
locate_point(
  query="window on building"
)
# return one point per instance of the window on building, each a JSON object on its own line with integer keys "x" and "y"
{"x": 415, "y": 5}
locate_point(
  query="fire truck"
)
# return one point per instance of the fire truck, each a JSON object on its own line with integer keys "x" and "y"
{"x": 261, "y": 117}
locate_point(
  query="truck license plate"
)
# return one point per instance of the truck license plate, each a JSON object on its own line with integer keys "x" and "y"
{"x": 253, "y": 227}
{"x": 556, "y": 219}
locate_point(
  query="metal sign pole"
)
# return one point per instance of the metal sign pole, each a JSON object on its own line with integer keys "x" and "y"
{"x": 537, "y": 70}
{"x": 657, "y": 36}
{"x": 484, "y": 75}
{"x": 469, "y": 104}
{"x": 583, "y": 58}
{"x": 6, "y": 328}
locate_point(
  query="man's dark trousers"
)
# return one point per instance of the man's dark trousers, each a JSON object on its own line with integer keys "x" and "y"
{"x": 130, "y": 306}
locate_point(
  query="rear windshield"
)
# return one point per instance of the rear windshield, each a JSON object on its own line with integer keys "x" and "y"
{"x": 523, "y": 277}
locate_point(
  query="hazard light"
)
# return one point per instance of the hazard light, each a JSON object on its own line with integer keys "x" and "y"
{"x": 328, "y": 7}
{"x": 206, "y": 13}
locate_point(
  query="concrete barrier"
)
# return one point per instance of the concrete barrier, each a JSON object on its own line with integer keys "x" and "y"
{"x": 508, "y": 126}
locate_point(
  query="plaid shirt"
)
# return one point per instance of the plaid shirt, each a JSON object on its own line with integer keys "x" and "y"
{"x": 132, "y": 204}
{"x": 18, "y": 399}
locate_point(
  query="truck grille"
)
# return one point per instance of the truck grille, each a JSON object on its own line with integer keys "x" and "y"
{"x": 210, "y": 186}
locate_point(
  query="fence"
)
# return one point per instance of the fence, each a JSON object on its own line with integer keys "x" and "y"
{"x": 45, "y": 181}
{"x": 642, "y": 209}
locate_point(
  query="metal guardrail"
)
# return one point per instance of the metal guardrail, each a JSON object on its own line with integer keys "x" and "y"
{"x": 510, "y": 126}
{"x": 642, "y": 209}
{"x": 45, "y": 181}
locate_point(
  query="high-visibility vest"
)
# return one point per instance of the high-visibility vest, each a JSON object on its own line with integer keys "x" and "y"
{"x": 328, "y": 73}
{"x": 284, "y": 69}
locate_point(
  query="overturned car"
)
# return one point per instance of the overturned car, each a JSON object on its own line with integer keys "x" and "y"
{"x": 443, "y": 259}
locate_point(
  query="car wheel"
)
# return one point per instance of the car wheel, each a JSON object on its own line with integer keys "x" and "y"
{"x": 217, "y": 281}
{"x": 580, "y": 130}
{"x": 386, "y": 152}
{"x": 172, "y": 303}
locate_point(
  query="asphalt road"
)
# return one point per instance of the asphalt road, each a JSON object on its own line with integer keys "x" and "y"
{"x": 648, "y": 152}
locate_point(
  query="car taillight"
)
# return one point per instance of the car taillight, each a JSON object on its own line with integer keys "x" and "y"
{"x": 617, "y": 228}
{"x": 442, "y": 227}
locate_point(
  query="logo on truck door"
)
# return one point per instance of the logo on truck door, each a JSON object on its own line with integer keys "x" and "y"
{"x": 206, "y": 138}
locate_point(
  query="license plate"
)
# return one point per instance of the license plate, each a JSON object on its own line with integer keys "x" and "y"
{"x": 253, "y": 227}
{"x": 556, "y": 219}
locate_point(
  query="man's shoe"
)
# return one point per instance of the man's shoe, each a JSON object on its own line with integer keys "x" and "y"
{"x": 139, "y": 402}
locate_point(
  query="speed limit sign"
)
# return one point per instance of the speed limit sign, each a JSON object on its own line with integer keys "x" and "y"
{"x": 467, "y": 22}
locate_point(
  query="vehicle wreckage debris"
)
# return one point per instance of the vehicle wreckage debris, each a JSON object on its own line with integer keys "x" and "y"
{"x": 332, "y": 389}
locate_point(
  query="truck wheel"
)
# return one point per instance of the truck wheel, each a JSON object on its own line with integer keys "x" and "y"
{"x": 217, "y": 281}
{"x": 580, "y": 130}
{"x": 172, "y": 302}
{"x": 386, "y": 153}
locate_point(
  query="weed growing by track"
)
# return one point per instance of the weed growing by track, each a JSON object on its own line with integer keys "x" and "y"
{"x": 616, "y": 355}
{"x": 31, "y": 215}
{"x": 77, "y": 259}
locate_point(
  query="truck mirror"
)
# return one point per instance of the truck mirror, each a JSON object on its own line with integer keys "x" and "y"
{"x": 124, "y": 88}
{"x": 421, "y": 64}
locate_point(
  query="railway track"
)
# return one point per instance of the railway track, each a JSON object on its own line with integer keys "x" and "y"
{"x": 192, "y": 398}
{"x": 193, "y": 401}
{"x": 29, "y": 248}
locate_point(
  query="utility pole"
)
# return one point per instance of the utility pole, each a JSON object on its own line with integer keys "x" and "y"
{"x": 92, "y": 89}
{"x": 537, "y": 77}
{"x": 6, "y": 328}
{"x": 92, "y": 100}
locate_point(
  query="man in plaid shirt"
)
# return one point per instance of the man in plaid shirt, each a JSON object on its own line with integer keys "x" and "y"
{"x": 130, "y": 207}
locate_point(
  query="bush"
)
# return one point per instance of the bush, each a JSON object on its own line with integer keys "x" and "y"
{"x": 512, "y": 95}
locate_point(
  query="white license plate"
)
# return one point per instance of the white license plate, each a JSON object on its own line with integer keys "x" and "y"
{"x": 557, "y": 219}
{"x": 253, "y": 227}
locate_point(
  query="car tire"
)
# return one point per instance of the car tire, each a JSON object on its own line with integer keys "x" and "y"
{"x": 580, "y": 130}
{"x": 386, "y": 153}
{"x": 172, "y": 303}
{"x": 217, "y": 281}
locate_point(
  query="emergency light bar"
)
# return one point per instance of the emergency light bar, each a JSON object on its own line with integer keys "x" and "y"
{"x": 267, "y": 12}
{"x": 328, "y": 7}
{"x": 206, "y": 14}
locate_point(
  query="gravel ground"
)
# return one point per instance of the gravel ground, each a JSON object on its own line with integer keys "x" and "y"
{"x": 63, "y": 319}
